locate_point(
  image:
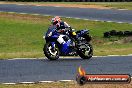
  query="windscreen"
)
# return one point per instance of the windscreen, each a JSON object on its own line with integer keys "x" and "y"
{"x": 50, "y": 29}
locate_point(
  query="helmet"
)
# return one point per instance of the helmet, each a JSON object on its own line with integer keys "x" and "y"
{"x": 55, "y": 20}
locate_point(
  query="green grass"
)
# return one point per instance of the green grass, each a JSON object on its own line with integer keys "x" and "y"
{"x": 116, "y": 5}
{"x": 21, "y": 35}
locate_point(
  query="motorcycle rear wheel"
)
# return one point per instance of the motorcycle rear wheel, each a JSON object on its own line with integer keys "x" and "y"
{"x": 49, "y": 53}
{"x": 87, "y": 53}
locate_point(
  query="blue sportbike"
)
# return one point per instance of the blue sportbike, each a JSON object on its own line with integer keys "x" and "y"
{"x": 76, "y": 43}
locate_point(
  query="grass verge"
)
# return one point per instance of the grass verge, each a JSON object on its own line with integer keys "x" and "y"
{"x": 113, "y": 5}
{"x": 67, "y": 85}
{"x": 21, "y": 35}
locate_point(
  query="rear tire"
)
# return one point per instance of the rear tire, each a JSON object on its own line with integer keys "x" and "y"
{"x": 85, "y": 54}
{"x": 49, "y": 53}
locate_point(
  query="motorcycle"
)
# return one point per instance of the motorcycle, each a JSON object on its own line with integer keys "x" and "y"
{"x": 76, "y": 43}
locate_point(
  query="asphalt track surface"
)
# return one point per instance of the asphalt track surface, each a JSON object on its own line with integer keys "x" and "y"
{"x": 83, "y": 13}
{"x": 33, "y": 70}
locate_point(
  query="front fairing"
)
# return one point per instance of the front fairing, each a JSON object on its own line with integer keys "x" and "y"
{"x": 51, "y": 34}
{"x": 51, "y": 29}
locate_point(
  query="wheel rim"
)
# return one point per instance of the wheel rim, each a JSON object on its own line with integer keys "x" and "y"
{"x": 53, "y": 53}
{"x": 86, "y": 50}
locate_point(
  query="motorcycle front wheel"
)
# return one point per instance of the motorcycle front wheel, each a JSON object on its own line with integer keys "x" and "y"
{"x": 51, "y": 54}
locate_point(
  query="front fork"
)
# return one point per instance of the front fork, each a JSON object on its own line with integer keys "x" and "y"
{"x": 53, "y": 46}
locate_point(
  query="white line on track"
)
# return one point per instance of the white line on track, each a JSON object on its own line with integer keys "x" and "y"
{"x": 99, "y": 56}
{"x": 120, "y": 55}
{"x": 68, "y": 17}
{"x": 129, "y": 54}
{"x": 9, "y": 83}
{"x": 37, "y": 14}
{"x": 113, "y": 55}
{"x": 120, "y": 22}
{"x": 46, "y": 81}
{"x": 21, "y": 58}
{"x": 65, "y": 80}
{"x": 26, "y": 82}
{"x": 96, "y": 20}
{"x": 122, "y": 9}
{"x": 86, "y": 19}
{"x": 20, "y": 4}
{"x": 11, "y": 12}
{"x": 38, "y": 5}
{"x": 109, "y": 21}
{"x": 57, "y": 6}
{"x": 69, "y": 57}
{"x": 76, "y": 18}
{"x": 25, "y": 13}
{"x": 39, "y": 82}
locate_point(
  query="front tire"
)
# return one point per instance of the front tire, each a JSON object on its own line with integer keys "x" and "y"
{"x": 49, "y": 53}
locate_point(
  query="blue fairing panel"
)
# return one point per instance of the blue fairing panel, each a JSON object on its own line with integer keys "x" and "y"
{"x": 65, "y": 47}
{"x": 54, "y": 37}
{"x": 82, "y": 32}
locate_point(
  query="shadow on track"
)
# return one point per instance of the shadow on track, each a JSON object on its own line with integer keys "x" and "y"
{"x": 68, "y": 61}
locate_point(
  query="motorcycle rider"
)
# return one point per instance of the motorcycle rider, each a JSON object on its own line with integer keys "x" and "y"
{"x": 62, "y": 28}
